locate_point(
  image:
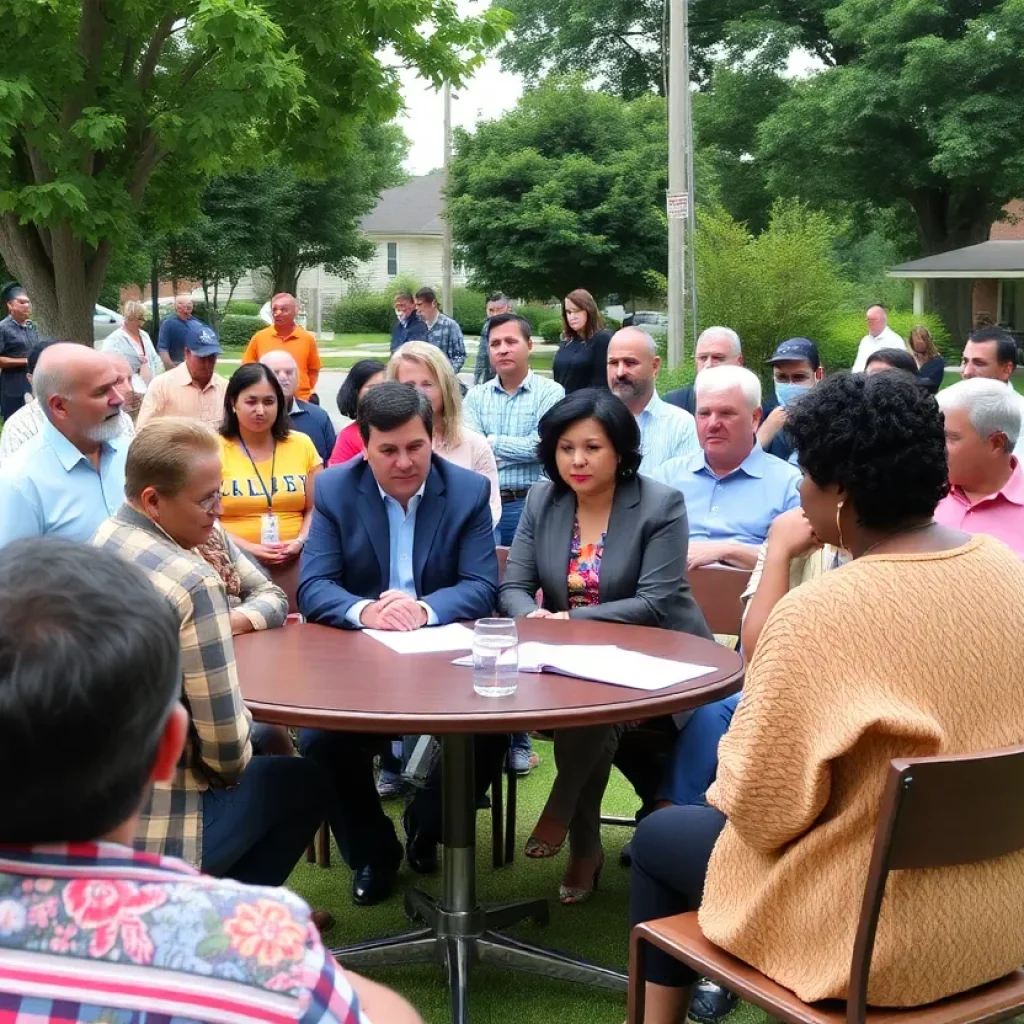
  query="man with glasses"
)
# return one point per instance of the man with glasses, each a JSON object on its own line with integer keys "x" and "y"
{"x": 69, "y": 477}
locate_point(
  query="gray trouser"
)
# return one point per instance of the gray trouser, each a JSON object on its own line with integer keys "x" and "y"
{"x": 583, "y": 758}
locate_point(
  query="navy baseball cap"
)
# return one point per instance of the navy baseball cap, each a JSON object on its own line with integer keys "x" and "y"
{"x": 205, "y": 343}
{"x": 797, "y": 348}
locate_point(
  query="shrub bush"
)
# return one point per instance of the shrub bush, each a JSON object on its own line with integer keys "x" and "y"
{"x": 538, "y": 314}
{"x": 839, "y": 339}
{"x": 550, "y": 331}
{"x": 671, "y": 380}
{"x": 363, "y": 313}
{"x": 469, "y": 309}
{"x": 242, "y": 307}
{"x": 235, "y": 331}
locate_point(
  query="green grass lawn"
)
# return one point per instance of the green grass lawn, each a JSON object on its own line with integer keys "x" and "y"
{"x": 598, "y": 930}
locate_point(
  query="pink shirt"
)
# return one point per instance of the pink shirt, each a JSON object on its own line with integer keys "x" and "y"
{"x": 1000, "y": 515}
{"x": 348, "y": 445}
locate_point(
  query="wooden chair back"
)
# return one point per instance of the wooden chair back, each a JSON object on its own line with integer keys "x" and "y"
{"x": 937, "y": 812}
{"x": 287, "y": 578}
{"x": 502, "y": 561}
{"x": 717, "y": 590}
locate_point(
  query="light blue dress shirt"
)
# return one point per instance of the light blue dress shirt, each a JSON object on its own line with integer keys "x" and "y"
{"x": 509, "y": 422}
{"x": 666, "y": 432}
{"x": 49, "y": 487}
{"x": 738, "y": 507}
{"x": 401, "y": 536}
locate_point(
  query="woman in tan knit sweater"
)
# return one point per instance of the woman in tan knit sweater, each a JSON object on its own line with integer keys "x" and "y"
{"x": 838, "y": 688}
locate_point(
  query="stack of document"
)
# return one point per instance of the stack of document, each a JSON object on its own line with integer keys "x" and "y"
{"x": 605, "y": 664}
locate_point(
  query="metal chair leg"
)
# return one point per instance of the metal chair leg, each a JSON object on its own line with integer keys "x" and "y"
{"x": 510, "y": 818}
{"x": 497, "y": 821}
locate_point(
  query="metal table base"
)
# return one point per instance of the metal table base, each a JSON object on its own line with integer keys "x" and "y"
{"x": 457, "y": 931}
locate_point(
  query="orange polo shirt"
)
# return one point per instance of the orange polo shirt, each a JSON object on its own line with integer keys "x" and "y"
{"x": 300, "y": 345}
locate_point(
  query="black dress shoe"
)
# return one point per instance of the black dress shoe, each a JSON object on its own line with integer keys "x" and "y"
{"x": 371, "y": 885}
{"x": 711, "y": 1003}
{"x": 420, "y": 852}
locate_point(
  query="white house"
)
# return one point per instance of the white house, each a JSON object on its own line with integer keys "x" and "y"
{"x": 405, "y": 228}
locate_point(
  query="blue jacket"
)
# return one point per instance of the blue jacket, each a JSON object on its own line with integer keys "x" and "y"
{"x": 414, "y": 329}
{"x": 347, "y": 555}
{"x": 311, "y": 420}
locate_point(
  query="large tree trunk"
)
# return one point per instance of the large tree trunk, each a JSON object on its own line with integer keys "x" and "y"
{"x": 284, "y": 272}
{"x": 948, "y": 222}
{"x": 61, "y": 274}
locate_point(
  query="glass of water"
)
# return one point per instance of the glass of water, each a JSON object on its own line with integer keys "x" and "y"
{"x": 495, "y": 657}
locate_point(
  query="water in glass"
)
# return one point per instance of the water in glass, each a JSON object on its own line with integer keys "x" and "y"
{"x": 495, "y": 657}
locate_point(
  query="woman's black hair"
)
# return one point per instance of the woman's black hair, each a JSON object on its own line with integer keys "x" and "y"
{"x": 348, "y": 393}
{"x": 245, "y": 377}
{"x": 896, "y": 358}
{"x": 590, "y": 403}
{"x": 881, "y": 438}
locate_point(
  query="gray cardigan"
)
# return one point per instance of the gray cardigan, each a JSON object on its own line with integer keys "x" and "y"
{"x": 643, "y": 569}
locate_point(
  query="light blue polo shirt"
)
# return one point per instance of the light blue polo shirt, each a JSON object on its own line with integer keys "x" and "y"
{"x": 738, "y": 507}
{"x": 49, "y": 487}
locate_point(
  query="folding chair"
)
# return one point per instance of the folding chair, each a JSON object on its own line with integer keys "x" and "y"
{"x": 936, "y": 812}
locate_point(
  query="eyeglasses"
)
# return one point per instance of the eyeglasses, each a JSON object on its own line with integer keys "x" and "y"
{"x": 209, "y": 504}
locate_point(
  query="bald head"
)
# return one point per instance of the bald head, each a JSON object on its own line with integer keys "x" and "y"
{"x": 633, "y": 364}
{"x": 285, "y": 369}
{"x": 76, "y": 388}
{"x": 877, "y": 320}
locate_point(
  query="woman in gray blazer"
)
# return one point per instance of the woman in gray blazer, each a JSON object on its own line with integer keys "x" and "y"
{"x": 601, "y": 543}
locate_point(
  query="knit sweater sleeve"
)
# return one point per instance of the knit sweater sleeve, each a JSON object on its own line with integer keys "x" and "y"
{"x": 774, "y": 776}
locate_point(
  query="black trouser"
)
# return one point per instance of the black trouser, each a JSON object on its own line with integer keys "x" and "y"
{"x": 364, "y": 833}
{"x": 671, "y": 850}
{"x": 12, "y": 400}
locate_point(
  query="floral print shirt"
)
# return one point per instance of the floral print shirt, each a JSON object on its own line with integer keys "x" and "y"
{"x": 584, "y": 570}
{"x": 99, "y": 933}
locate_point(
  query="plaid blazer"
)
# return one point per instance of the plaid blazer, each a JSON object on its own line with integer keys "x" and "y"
{"x": 219, "y": 746}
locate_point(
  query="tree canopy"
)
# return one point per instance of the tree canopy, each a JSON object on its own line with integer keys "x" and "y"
{"x": 124, "y": 103}
{"x": 565, "y": 191}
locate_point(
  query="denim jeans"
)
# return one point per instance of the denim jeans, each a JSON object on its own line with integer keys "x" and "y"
{"x": 257, "y": 831}
{"x": 510, "y": 513}
{"x": 693, "y": 764}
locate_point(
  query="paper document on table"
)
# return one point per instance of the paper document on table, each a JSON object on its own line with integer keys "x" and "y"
{"x": 605, "y": 664}
{"x": 428, "y": 640}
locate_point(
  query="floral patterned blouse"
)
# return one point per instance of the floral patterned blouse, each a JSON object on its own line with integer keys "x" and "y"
{"x": 584, "y": 570}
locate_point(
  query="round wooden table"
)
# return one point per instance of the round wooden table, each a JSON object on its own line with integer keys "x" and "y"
{"x": 319, "y": 677}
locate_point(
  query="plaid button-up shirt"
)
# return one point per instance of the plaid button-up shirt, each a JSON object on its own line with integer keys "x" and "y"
{"x": 509, "y": 422}
{"x": 219, "y": 747}
{"x": 446, "y": 334}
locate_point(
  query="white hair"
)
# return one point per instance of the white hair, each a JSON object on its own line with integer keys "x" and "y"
{"x": 722, "y": 332}
{"x": 270, "y": 357}
{"x": 716, "y": 379}
{"x": 992, "y": 407}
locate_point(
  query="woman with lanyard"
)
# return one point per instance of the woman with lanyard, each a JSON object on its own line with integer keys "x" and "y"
{"x": 267, "y": 489}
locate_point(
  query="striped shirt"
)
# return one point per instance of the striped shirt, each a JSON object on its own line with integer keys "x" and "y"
{"x": 509, "y": 422}
{"x": 95, "y": 932}
{"x": 446, "y": 334}
{"x": 220, "y": 747}
{"x": 666, "y": 432}
{"x": 29, "y": 420}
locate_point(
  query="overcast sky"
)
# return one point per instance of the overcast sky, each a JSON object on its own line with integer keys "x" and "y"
{"x": 490, "y": 93}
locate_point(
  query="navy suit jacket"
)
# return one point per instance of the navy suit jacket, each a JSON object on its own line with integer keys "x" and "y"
{"x": 347, "y": 556}
{"x": 414, "y": 329}
{"x": 311, "y": 420}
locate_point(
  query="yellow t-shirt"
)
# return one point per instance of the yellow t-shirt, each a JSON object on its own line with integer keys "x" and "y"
{"x": 244, "y": 498}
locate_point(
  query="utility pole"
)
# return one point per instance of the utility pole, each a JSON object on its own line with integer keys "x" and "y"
{"x": 678, "y": 190}
{"x": 446, "y": 238}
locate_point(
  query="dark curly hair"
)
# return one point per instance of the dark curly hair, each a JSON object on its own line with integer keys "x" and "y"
{"x": 880, "y": 438}
{"x": 590, "y": 403}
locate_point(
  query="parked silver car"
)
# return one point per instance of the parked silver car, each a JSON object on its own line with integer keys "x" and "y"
{"x": 104, "y": 322}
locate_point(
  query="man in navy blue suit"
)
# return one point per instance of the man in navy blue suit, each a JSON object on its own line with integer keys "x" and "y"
{"x": 401, "y": 539}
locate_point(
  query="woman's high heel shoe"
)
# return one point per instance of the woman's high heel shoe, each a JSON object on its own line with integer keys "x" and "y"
{"x": 570, "y": 895}
{"x": 538, "y": 848}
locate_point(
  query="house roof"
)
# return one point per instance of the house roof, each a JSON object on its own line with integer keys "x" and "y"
{"x": 987, "y": 259}
{"x": 410, "y": 209}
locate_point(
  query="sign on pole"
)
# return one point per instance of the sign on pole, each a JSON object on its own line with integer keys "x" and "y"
{"x": 678, "y": 205}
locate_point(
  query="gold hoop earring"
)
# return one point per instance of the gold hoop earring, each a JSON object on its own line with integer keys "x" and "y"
{"x": 839, "y": 525}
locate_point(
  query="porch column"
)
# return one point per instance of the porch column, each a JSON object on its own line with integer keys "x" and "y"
{"x": 918, "y": 296}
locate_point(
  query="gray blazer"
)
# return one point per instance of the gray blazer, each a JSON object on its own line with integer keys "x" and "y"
{"x": 643, "y": 569}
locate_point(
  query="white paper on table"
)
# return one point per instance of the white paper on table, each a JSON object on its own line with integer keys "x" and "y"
{"x": 428, "y": 640}
{"x": 605, "y": 664}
